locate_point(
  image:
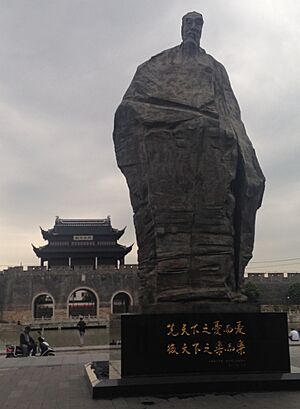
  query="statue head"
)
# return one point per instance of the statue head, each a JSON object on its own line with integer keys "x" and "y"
{"x": 191, "y": 28}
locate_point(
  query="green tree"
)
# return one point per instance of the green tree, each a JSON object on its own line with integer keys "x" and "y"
{"x": 294, "y": 293}
{"x": 251, "y": 290}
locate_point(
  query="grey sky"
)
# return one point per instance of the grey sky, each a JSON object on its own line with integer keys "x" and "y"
{"x": 64, "y": 67}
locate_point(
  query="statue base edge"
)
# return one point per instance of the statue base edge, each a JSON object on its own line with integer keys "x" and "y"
{"x": 195, "y": 307}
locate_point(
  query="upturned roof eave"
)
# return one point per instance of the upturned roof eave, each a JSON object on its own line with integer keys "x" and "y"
{"x": 48, "y": 250}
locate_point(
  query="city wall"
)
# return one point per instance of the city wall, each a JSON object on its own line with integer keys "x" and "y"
{"x": 273, "y": 287}
{"x": 20, "y": 287}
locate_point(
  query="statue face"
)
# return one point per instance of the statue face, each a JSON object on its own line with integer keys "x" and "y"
{"x": 192, "y": 28}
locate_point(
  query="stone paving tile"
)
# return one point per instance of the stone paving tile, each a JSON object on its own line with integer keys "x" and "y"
{"x": 135, "y": 403}
{"x": 120, "y": 403}
{"x": 271, "y": 400}
{"x": 59, "y": 359}
{"x": 58, "y": 385}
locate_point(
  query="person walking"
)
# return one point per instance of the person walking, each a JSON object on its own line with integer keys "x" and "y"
{"x": 81, "y": 325}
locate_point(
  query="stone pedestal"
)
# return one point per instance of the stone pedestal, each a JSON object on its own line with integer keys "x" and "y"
{"x": 190, "y": 343}
{"x": 201, "y": 349}
{"x": 196, "y": 307}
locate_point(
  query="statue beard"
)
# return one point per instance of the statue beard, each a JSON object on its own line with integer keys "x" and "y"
{"x": 190, "y": 47}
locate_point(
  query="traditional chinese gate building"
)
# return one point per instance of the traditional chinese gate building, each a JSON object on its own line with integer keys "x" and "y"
{"x": 82, "y": 242}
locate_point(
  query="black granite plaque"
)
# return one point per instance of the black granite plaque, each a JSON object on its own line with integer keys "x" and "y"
{"x": 165, "y": 344}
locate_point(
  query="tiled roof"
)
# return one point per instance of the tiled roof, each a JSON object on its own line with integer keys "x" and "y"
{"x": 83, "y": 222}
{"x": 82, "y": 226}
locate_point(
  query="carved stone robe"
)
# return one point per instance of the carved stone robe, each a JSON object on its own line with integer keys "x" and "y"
{"x": 194, "y": 180}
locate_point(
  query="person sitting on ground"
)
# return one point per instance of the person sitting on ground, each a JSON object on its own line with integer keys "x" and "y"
{"x": 27, "y": 343}
{"x": 294, "y": 335}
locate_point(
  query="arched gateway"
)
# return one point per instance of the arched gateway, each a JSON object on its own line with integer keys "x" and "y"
{"x": 121, "y": 302}
{"x": 43, "y": 307}
{"x": 83, "y": 302}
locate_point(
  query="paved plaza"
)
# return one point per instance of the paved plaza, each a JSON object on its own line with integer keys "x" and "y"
{"x": 59, "y": 383}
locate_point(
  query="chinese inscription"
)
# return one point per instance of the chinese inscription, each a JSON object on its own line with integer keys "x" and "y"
{"x": 194, "y": 343}
{"x": 214, "y": 338}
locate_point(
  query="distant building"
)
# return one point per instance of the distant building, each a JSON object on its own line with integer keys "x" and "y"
{"x": 82, "y": 242}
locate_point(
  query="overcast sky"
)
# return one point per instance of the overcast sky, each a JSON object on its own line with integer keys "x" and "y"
{"x": 64, "y": 67}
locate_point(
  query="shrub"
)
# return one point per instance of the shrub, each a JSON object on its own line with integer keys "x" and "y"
{"x": 294, "y": 293}
{"x": 251, "y": 290}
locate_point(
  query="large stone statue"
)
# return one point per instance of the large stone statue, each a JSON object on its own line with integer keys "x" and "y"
{"x": 194, "y": 179}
